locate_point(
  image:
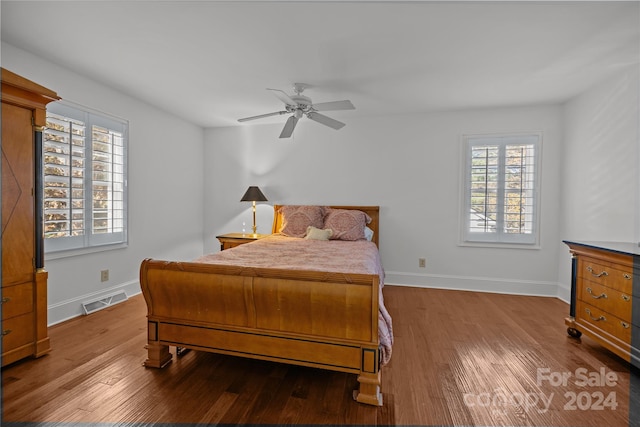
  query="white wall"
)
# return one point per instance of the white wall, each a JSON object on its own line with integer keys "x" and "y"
{"x": 410, "y": 166}
{"x": 165, "y": 188}
{"x": 601, "y": 172}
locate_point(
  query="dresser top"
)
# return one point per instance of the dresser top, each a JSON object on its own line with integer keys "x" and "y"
{"x": 628, "y": 248}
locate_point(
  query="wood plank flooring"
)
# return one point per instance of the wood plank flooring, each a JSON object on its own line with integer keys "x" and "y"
{"x": 459, "y": 359}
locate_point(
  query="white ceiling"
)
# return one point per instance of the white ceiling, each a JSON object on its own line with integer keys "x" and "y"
{"x": 211, "y": 61}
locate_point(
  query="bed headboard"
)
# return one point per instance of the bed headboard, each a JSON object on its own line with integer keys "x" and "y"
{"x": 372, "y": 211}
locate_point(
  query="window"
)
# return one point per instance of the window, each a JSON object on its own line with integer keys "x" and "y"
{"x": 501, "y": 189}
{"x": 84, "y": 178}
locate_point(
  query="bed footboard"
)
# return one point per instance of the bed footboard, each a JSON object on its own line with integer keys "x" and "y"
{"x": 310, "y": 318}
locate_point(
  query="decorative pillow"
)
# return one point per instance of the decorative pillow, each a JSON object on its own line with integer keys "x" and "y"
{"x": 317, "y": 234}
{"x": 346, "y": 224}
{"x": 296, "y": 219}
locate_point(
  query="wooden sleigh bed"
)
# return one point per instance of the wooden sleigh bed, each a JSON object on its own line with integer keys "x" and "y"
{"x": 328, "y": 320}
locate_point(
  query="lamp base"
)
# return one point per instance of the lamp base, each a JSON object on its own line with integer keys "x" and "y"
{"x": 255, "y": 228}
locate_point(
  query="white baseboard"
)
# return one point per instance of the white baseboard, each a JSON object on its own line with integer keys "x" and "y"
{"x": 564, "y": 292}
{"x": 477, "y": 284}
{"x": 65, "y": 310}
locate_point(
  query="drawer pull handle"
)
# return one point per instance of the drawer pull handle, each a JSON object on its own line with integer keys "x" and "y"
{"x": 627, "y": 276}
{"x": 602, "y": 295}
{"x": 625, "y": 325}
{"x": 5, "y": 299}
{"x": 603, "y": 274}
{"x": 595, "y": 319}
{"x": 6, "y": 332}
{"x": 626, "y": 298}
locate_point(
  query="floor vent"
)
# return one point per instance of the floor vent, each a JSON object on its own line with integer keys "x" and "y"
{"x": 105, "y": 301}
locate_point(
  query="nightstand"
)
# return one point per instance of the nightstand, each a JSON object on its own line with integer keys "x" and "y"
{"x": 231, "y": 240}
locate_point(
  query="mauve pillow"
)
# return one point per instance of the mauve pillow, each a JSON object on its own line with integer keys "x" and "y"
{"x": 296, "y": 219}
{"x": 347, "y": 224}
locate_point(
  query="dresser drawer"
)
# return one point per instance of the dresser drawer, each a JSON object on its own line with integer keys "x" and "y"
{"x": 614, "y": 276}
{"x": 17, "y": 300}
{"x": 619, "y": 328}
{"x": 606, "y": 299}
{"x": 18, "y": 331}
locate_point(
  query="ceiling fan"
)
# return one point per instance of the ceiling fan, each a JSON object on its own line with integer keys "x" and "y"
{"x": 299, "y": 105}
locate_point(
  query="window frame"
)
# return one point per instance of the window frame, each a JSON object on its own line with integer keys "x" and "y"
{"x": 499, "y": 239}
{"x": 90, "y": 242}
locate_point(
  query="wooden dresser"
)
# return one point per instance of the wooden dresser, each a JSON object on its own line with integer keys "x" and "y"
{"x": 605, "y": 288}
{"x": 24, "y": 280}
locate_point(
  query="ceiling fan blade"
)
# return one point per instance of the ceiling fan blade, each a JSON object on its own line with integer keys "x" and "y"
{"x": 262, "y": 116}
{"x": 289, "y": 126}
{"x": 327, "y": 121}
{"x": 282, "y": 96}
{"x": 333, "y": 106}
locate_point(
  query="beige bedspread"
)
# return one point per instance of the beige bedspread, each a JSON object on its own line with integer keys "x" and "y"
{"x": 352, "y": 257}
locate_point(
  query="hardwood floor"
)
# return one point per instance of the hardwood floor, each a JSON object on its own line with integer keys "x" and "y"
{"x": 460, "y": 359}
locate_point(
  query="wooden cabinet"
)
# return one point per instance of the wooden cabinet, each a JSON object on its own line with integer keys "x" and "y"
{"x": 24, "y": 280}
{"x": 605, "y": 286}
{"x": 231, "y": 240}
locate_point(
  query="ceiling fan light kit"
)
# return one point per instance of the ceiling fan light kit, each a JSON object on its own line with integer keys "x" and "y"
{"x": 299, "y": 105}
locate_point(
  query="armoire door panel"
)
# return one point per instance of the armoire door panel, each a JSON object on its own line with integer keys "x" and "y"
{"x": 17, "y": 195}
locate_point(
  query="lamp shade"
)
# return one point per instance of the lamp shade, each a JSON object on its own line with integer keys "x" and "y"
{"x": 253, "y": 194}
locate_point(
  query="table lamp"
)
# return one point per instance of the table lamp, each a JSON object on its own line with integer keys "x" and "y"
{"x": 253, "y": 194}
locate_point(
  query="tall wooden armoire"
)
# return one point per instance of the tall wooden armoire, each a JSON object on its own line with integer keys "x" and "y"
{"x": 24, "y": 279}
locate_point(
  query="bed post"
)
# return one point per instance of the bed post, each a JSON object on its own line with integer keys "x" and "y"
{"x": 369, "y": 378}
{"x": 369, "y": 392}
{"x": 158, "y": 355}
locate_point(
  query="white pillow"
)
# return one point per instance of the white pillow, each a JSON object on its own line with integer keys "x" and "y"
{"x": 318, "y": 234}
{"x": 368, "y": 233}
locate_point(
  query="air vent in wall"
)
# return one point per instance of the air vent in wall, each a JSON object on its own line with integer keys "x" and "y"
{"x": 104, "y": 301}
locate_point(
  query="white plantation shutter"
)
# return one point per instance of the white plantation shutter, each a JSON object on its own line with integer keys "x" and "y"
{"x": 64, "y": 154}
{"x": 84, "y": 178}
{"x": 501, "y": 188}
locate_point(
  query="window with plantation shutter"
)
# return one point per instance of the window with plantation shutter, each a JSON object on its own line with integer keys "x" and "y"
{"x": 501, "y": 189}
{"x": 84, "y": 178}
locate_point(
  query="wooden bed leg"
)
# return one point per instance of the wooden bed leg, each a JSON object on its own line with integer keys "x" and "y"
{"x": 158, "y": 355}
{"x": 369, "y": 392}
{"x": 181, "y": 351}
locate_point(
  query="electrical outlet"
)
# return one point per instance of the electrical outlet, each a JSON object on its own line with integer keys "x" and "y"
{"x": 104, "y": 275}
{"x": 422, "y": 262}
